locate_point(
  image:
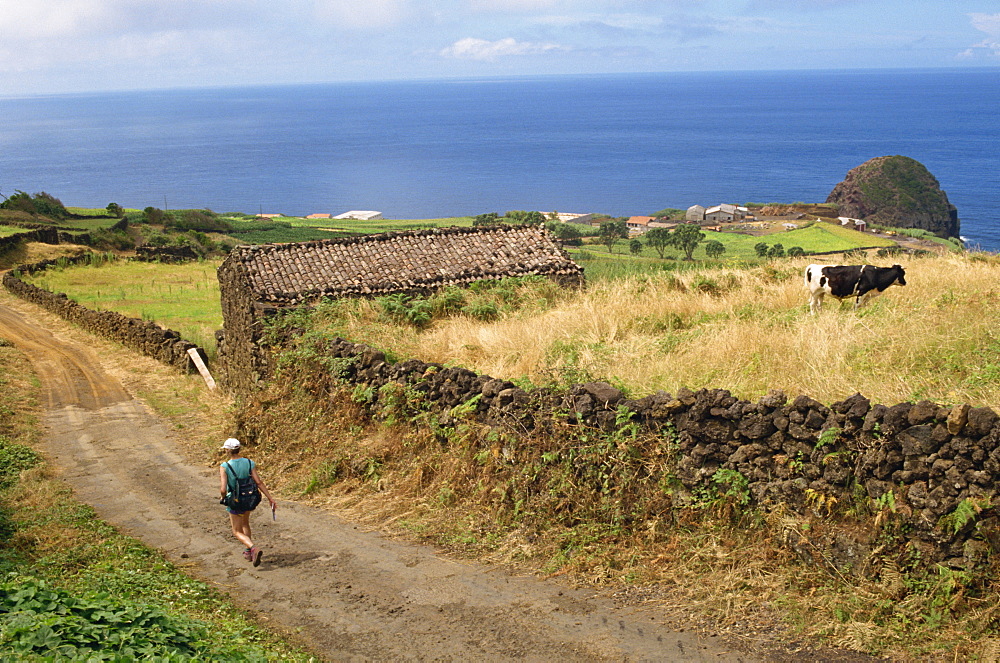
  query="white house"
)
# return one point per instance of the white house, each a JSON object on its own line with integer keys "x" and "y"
{"x": 854, "y": 224}
{"x": 360, "y": 215}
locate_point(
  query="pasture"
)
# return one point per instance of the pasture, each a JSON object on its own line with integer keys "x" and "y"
{"x": 742, "y": 328}
{"x": 818, "y": 237}
{"x": 182, "y": 297}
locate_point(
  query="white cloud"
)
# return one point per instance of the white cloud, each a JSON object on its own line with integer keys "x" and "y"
{"x": 107, "y": 19}
{"x": 367, "y": 15}
{"x": 990, "y": 24}
{"x": 806, "y": 5}
{"x": 49, "y": 18}
{"x": 471, "y": 48}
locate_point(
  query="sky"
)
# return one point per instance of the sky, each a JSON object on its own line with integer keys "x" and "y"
{"x": 68, "y": 46}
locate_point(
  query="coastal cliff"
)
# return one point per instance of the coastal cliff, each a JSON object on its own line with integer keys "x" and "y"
{"x": 896, "y": 191}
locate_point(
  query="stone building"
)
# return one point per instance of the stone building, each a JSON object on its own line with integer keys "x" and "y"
{"x": 257, "y": 281}
{"x": 695, "y": 213}
{"x": 725, "y": 213}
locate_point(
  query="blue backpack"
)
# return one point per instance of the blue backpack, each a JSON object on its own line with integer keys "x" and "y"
{"x": 246, "y": 495}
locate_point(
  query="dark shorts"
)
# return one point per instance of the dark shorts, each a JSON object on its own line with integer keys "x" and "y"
{"x": 237, "y": 513}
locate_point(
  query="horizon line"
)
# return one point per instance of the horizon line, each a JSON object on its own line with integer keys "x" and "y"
{"x": 498, "y": 78}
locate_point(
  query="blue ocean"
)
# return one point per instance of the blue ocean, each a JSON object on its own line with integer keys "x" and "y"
{"x": 616, "y": 144}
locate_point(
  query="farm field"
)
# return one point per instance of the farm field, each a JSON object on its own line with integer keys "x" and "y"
{"x": 248, "y": 230}
{"x": 356, "y": 226}
{"x": 744, "y": 328}
{"x": 183, "y": 297}
{"x": 816, "y": 238}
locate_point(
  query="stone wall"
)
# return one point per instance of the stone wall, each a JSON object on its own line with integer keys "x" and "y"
{"x": 165, "y": 253}
{"x": 43, "y": 235}
{"x": 939, "y": 463}
{"x": 145, "y": 337}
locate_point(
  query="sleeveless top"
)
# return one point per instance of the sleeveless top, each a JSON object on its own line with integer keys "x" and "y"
{"x": 240, "y": 470}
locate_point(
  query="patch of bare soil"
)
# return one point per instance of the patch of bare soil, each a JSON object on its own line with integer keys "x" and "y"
{"x": 348, "y": 594}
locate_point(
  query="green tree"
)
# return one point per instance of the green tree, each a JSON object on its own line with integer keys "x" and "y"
{"x": 794, "y": 251}
{"x": 19, "y": 201}
{"x": 523, "y": 217}
{"x": 612, "y": 231}
{"x": 155, "y": 216}
{"x": 567, "y": 232}
{"x": 41, "y": 203}
{"x": 714, "y": 248}
{"x": 761, "y": 248}
{"x": 658, "y": 239}
{"x": 686, "y": 237}
{"x": 635, "y": 247}
{"x": 487, "y": 219}
{"x": 776, "y": 251}
{"x": 116, "y": 210}
{"x": 50, "y": 206}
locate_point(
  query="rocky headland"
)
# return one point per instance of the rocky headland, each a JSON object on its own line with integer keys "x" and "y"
{"x": 896, "y": 191}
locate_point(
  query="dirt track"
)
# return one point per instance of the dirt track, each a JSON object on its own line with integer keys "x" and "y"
{"x": 350, "y": 595}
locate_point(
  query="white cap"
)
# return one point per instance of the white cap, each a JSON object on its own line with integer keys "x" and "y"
{"x": 231, "y": 444}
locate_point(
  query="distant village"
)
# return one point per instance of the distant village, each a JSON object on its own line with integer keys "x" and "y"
{"x": 733, "y": 217}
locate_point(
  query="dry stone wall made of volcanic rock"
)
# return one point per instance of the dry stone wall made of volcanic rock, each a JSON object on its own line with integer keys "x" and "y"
{"x": 145, "y": 337}
{"x": 42, "y": 235}
{"x": 798, "y": 453}
{"x": 256, "y": 281}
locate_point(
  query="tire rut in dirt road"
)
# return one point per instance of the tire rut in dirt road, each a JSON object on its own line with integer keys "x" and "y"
{"x": 350, "y": 595}
{"x": 69, "y": 374}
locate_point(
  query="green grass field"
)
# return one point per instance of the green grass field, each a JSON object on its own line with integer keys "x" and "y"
{"x": 355, "y": 227}
{"x": 816, "y": 238}
{"x": 298, "y": 229}
{"x": 183, "y": 297}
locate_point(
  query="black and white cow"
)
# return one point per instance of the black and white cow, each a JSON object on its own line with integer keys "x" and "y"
{"x": 842, "y": 281}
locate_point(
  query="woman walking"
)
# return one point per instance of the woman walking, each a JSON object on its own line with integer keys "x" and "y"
{"x": 230, "y": 473}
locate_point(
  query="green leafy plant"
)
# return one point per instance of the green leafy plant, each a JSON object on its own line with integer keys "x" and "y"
{"x": 827, "y": 437}
{"x": 37, "y": 620}
{"x": 966, "y": 512}
{"x": 14, "y": 459}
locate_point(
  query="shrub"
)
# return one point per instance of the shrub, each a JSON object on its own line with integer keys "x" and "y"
{"x": 41, "y": 203}
{"x": 112, "y": 239}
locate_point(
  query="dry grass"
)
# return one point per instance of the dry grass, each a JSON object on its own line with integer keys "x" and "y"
{"x": 32, "y": 252}
{"x": 697, "y": 569}
{"x": 743, "y": 330}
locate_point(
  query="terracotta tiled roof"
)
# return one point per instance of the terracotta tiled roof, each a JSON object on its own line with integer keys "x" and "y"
{"x": 394, "y": 262}
{"x": 639, "y": 220}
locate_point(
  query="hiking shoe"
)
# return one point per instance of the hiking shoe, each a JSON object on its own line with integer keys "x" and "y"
{"x": 255, "y": 555}
{"x": 246, "y": 554}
